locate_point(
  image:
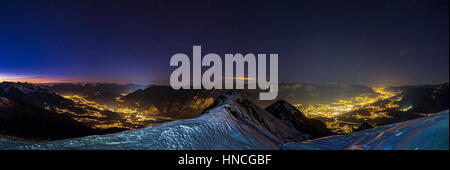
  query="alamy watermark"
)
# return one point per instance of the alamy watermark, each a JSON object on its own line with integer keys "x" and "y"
{"x": 213, "y": 77}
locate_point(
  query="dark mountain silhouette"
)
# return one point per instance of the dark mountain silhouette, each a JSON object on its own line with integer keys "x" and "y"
{"x": 230, "y": 123}
{"x": 32, "y": 94}
{"x": 280, "y": 118}
{"x": 235, "y": 123}
{"x": 27, "y": 121}
{"x": 290, "y": 124}
{"x": 189, "y": 103}
{"x": 294, "y": 118}
{"x": 427, "y": 98}
{"x": 28, "y": 111}
{"x": 102, "y": 93}
{"x": 416, "y": 101}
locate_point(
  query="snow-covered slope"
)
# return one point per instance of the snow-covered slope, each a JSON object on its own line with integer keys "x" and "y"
{"x": 428, "y": 133}
{"x": 233, "y": 123}
{"x": 218, "y": 129}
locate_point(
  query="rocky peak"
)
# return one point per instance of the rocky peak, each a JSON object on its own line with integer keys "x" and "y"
{"x": 291, "y": 115}
{"x": 280, "y": 119}
{"x": 284, "y": 111}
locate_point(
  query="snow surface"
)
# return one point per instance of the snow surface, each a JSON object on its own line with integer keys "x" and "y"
{"x": 220, "y": 130}
{"x": 428, "y": 133}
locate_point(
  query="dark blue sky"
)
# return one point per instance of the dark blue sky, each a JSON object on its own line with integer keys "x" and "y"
{"x": 367, "y": 42}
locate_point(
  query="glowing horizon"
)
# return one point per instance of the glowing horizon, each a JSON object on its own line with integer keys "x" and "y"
{"x": 44, "y": 79}
{"x": 34, "y": 79}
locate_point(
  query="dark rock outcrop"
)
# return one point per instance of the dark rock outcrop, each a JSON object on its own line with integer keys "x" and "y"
{"x": 281, "y": 119}
{"x": 292, "y": 117}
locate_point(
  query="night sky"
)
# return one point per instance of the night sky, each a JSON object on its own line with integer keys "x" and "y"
{"x": 375, "y": 42}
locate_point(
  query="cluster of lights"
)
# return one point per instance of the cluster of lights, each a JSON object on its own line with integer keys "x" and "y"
{"x": 365, "y": 101}
{"x": 130, "y": 115}
{"x": 330, "y": 111}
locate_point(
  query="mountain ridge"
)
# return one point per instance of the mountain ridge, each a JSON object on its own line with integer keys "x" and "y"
{"x": 221, "y": 129}
{"x": 233, "y": 123}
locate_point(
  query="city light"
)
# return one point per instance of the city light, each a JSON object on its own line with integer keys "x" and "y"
{"x": 333, "y": 110}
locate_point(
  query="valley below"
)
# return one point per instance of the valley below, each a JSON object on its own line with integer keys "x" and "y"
{"x": 110, "y": 116}
{"x": 341, "y": 107}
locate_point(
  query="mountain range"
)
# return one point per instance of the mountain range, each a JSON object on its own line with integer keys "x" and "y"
{"x": 31, "y": 112}
{"x": 23, "y": 102}
{"x": 235, "y": 123}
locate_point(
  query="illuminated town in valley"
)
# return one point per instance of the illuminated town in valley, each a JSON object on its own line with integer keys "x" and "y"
{"x": 130, "y": 117}
{"x": 333, "y": 110}
{"x": 224, "y": 75}
{"x": 127, "y": 115}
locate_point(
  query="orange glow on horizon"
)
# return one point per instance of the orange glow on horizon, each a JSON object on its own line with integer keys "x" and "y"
{"x": 49, "y": 80}
{"x": 34, "y": 79}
